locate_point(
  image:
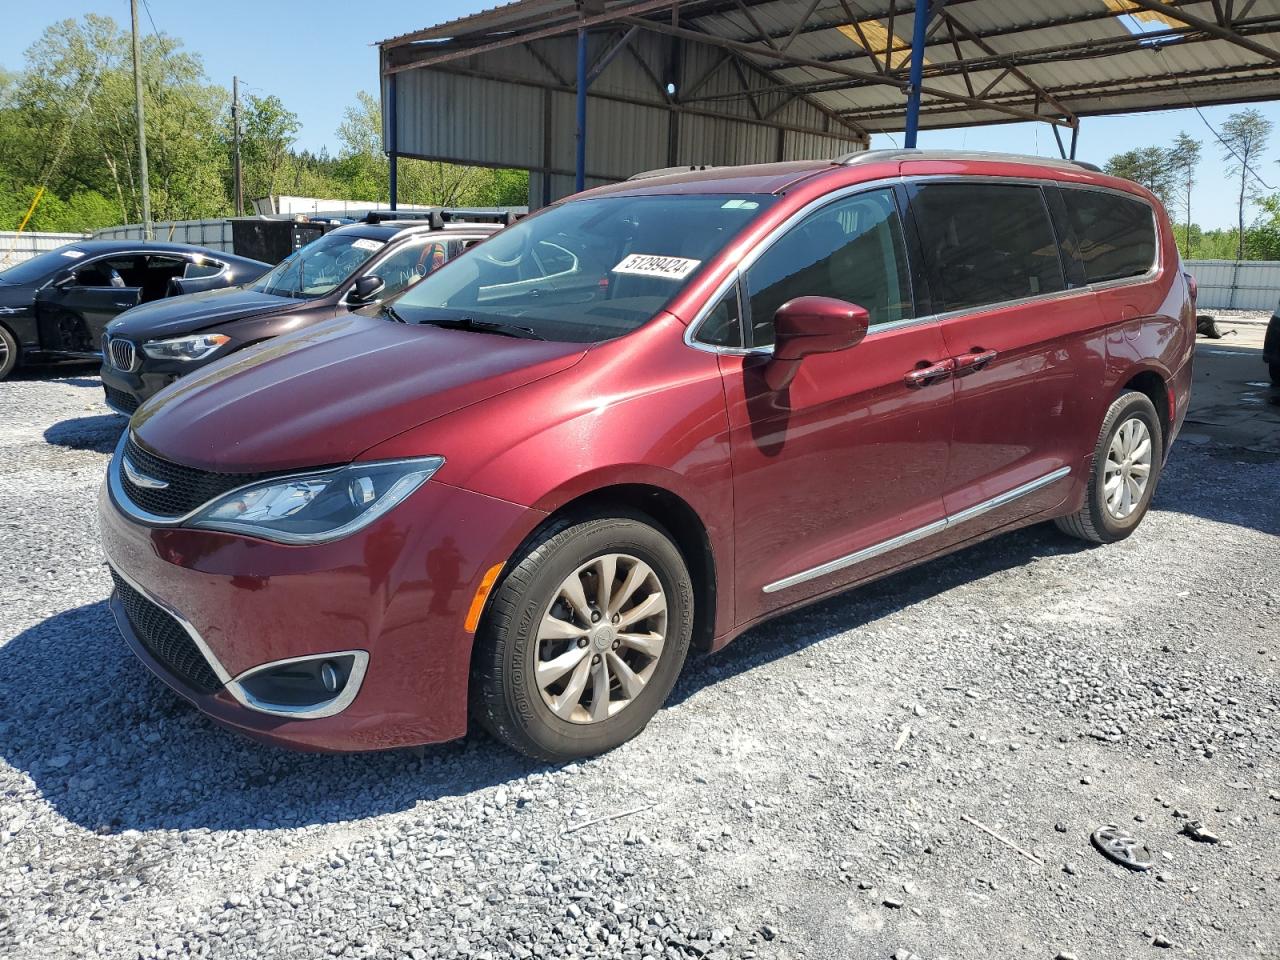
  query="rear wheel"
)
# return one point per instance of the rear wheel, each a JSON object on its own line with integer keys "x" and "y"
{"x": 1126, "y": 466}
{"x": 1274, "y": 369}
{"x": 584, "y": 638}
{"x": 8, "y": 352}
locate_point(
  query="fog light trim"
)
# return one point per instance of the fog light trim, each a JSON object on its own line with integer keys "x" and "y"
{"x": 314, "y": 711}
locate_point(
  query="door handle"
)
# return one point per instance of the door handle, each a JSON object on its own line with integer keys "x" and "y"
{"x": 923, "y": 376}
{"x": 974, "y": 360}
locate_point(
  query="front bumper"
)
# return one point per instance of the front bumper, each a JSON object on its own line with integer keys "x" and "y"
{"x": 398, "y": 590}
{"x": 126, "y": 391}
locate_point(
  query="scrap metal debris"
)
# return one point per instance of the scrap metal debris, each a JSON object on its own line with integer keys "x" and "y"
{"x": 1119, "y": 847}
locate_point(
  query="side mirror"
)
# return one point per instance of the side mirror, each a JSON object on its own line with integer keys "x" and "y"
{"x": 808, "y": 325}
{"x": 366, "y": 288}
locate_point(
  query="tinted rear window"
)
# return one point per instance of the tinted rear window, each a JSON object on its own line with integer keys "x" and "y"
{"x": 1116, "y": 235}
{"x": 986, "y": 243}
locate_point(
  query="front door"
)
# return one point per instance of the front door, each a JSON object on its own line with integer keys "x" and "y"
{"x": 1021, "y": 343}
{"x": 838, "y": 476}
{"x": 74, "y": 312}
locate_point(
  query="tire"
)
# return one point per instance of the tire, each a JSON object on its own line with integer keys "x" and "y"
{"x": 8, "y": 352}
{"x": 553, "y": 720}
{"x": 1097, "y": 521}
{"x": 1274, "y": 370}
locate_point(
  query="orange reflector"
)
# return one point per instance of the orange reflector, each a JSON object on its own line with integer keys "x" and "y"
{"x": 482, "y": 594}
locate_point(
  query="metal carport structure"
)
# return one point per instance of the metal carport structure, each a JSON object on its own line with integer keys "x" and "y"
{"x": 591, "y": 91}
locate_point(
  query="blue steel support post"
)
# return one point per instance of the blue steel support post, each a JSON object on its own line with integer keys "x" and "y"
{"x": 393, "y": 145}
{"x": 917, "y": 72}
{"x": 581, "y": 164}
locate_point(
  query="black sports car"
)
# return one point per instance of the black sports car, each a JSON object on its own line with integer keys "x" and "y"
{"x": 56, "y": 306}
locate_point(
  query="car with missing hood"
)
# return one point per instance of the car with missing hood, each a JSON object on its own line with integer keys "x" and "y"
{"x": 353, "y": 266}
{"x": 645, "y": 419}
{"x": 56, "y": 305}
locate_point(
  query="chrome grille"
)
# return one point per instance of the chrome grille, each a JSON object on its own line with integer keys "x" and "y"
{"x": 122, "y": 354}
{"x": 184, "y": 488}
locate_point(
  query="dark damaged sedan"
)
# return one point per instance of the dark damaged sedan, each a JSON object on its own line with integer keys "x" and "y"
{"x": 354, "y": 266}
{"x": 56, "y": 305}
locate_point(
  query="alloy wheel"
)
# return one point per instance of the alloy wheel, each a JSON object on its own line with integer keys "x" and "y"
{"x": 600, "y": 638}
{"x": 1128, "y": 468}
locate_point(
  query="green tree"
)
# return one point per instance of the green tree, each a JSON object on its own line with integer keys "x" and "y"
{"x": 1153, "y": 167}
{"x": 1184, "y": 157}
{"x": 1244, "y": 138}
{"x": 1264, "y": 235}
{"x": 269, "y": 131}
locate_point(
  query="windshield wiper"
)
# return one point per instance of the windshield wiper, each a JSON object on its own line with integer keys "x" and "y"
{"x": 488, "y": 326}
{"x": 389, "y": 311}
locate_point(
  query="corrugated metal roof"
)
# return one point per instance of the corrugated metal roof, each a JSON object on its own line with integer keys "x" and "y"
{"x": 1069, "y": 57}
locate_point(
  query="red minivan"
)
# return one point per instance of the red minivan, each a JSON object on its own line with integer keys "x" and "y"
{"x": 648, "y": 417}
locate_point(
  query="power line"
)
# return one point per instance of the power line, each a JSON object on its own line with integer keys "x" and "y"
{"x": 146, "y": 6}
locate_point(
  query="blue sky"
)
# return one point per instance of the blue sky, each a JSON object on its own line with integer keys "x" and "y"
{"x": 315, "y": 55}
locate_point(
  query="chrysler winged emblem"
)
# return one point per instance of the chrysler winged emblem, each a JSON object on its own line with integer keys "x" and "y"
{"x": 140, "y": 479}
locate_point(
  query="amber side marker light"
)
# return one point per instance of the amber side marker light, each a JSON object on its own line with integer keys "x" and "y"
{"x": 482, "y": 594}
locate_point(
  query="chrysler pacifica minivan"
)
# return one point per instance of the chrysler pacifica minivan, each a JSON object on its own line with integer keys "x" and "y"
{"x": 644, "y": 419}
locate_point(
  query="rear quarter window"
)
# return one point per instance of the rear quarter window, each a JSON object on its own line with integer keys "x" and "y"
{"x": 1115, "y": 235}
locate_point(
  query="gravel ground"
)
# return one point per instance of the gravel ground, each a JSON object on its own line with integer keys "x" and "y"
{"x": 803, "y": 795}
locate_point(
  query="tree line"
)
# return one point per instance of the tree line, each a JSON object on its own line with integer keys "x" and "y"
{"x": 1171, "y": 173}
{"x": 67, "y": 124}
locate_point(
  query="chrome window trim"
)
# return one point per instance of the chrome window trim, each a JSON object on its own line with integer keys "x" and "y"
{"x": 232, "y": 685}
{"x": 690, "y": 334}
{"x": 315, "y": 711}
{"x": 754, "y": 254}
{"x": 920, "y": 533}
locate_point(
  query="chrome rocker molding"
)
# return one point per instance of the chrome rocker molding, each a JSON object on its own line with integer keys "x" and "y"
{"x": 328, "y": 708}
{"x": 911, "y": 536}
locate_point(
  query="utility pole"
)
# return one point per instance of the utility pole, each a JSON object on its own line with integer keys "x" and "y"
{"x": 235, "y": 128}
{"x": 142, "y": 130}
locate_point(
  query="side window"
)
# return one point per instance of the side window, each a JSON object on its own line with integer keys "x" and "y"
{"x": 408, "y": 264}
{"x": 1116, "y": 235}
{"x": 851, "y": 250}
{"x": 553, "y": 258}
{"x": 986, "y": 243}
{"x": 109, "y": 272}
{"x": 199, "y": 269}
{"x": 722, "y": 327}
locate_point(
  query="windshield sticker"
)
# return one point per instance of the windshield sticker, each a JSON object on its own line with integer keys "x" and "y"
{"x": 370, "y": 245}
{"x": 73, "y": 254}
{"x": 650, "y": 265}
{"x": 739, "y": 205}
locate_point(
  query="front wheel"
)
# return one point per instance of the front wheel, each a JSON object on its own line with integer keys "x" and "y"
{"x": 584, "y": 638}
{"x": 1126, "y": 466}
{"x": 8, "y": 352}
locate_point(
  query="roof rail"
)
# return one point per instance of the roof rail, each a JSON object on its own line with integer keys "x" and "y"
{"x": 425, "y": 216}
{"x": 671, "y": 171}
{"x": 877, "y": 156}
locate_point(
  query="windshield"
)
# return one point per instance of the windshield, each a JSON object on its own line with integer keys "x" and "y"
{"x": 585, "y": 271}
{"x": 319, "y": 267}
{"x": 46, "y": 264}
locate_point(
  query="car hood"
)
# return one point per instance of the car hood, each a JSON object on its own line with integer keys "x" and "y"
{"x": 325, "y": 394}
{"x": 175, "y": 316}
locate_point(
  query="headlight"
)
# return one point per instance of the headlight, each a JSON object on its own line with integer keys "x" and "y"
{"x": 185, "y": 348}
{"x": 318, "y": 507}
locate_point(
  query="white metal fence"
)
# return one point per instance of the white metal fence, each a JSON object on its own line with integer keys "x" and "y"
{"x": 17, "y": 247}
{"x": 214, "y": 234}
{"x": 1237, "y": 284}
